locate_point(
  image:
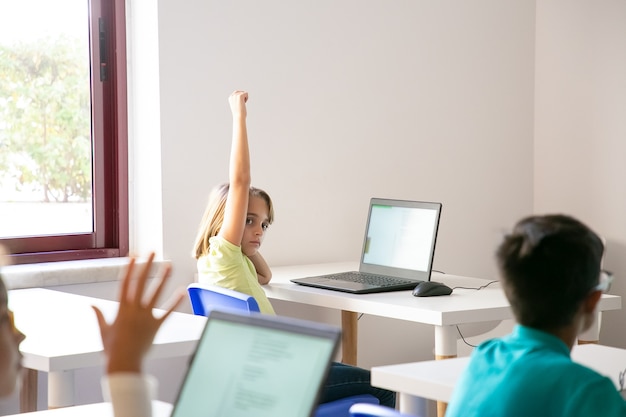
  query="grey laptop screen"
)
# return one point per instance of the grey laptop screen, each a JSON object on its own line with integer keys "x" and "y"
{"x": 258, "y": 366}
{"x": 401, "y": 235}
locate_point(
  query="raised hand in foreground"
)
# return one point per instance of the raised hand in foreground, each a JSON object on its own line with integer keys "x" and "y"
{"x": 127, "y": 340}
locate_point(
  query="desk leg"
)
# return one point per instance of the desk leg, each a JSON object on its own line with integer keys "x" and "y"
{"x": 349, "y": 336}
{"x": 412, "y": 405}
{"x": 445, "y": 348}
{"x": 60, "y": 389}
{"x": 445, "y": 342}
{"x": 593, "y": 334}
{"x": 28, "y": 392}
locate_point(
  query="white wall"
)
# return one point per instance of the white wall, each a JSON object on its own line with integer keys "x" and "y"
{"x": 580, "y": 128}
{"x": 348, "y": 100}
{"x": 436, "y": 98}
{"x": 144, "y": 148}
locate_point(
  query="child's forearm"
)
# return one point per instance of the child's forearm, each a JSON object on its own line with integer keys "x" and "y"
{"x": 263, "y": 271}
{"x": 240, "y": 154}
{"x": 123, "y": 363}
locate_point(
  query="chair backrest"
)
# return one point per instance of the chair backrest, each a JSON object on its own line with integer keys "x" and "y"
{"x": 205, "y": 297}
{"x": 374, "y": 410}
{"x": 341, "y": 407}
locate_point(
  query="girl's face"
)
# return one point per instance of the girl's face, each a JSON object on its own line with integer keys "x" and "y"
{"x": 256, "y": 224}
{"x": 10, "y": 356}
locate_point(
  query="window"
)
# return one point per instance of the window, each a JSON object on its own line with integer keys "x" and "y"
{"x": 63, "y": 129}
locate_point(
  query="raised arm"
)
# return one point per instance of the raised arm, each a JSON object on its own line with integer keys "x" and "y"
{"x": 239, "y": 173}
{"x": 129, "y": 337}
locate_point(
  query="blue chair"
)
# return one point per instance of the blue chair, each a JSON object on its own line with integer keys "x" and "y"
{"x": 341, "y": 407}
{"x": 374, "y": 410}
{"x": 205, "y": 298}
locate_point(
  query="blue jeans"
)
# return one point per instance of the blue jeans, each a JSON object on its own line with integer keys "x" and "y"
{"x": 345, "y": 381}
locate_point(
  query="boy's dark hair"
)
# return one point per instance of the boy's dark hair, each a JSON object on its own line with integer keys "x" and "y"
{"x": 3, "y": 292}
{"x": 549, "y": 265}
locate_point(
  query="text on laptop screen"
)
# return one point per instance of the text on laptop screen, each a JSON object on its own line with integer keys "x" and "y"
{"x": 400, "y": 237}
{"x": 242, "y": 371}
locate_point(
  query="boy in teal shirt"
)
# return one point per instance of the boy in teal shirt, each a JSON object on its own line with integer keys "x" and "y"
{"x": 550, "y": 270}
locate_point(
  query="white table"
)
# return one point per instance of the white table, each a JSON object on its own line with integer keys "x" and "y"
{"x": 159, "y": 409}
{"x": 62, "y": 335}
{"x": 444, "y": 313}
{"x": 435, "y": 380}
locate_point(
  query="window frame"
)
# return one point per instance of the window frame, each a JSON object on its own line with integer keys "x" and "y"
{"x": 109, "y": 155}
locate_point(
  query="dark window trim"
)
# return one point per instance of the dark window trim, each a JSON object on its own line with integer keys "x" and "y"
{"x": 110, "y": 172}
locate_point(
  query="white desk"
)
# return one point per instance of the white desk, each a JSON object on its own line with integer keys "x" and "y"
{"x": 62, "y": 335}
{"x": 443, "y": 313}
{"x": 159, "y": 409}
{"x": 435, "y": 380}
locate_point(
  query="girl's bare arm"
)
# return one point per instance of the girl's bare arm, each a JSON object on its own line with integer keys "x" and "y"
{"x": 263, "y": 271}
{"x": 239, "y": 173}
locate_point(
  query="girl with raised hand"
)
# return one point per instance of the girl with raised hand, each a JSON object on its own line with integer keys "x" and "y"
{"x": 228, "y": 242}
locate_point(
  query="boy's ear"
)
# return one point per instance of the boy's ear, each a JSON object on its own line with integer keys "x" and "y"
{"x": 590, "y": 303}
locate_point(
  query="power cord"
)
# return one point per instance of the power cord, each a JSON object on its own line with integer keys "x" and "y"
{"x": 463, "y": 338}
{"x": 474, "y": 288}
{"x": 467, "y": 288}
{"x": 478, "y": 289}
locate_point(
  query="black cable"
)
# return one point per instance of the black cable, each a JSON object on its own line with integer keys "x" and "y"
{"x": 477, "y": 289}
{"x": 463, "y": 338}
{"x": 474, "y": 288}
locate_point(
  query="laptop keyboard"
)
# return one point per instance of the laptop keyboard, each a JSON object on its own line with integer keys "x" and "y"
{"x": 371, "y": 279}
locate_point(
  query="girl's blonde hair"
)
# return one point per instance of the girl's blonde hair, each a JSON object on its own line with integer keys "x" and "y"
{"x": 213, "y": 216}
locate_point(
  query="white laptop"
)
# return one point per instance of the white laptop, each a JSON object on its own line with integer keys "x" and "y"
{"x": 398, "y": 249}
{"x": 257, "y": 365}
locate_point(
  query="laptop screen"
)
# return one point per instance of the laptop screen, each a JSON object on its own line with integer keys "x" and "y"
{"x": 256, "y": 365}
{"x": 400, "y": 234}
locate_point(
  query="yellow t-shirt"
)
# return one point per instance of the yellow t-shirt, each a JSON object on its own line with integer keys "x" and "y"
{"x": 228, "y": 267}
